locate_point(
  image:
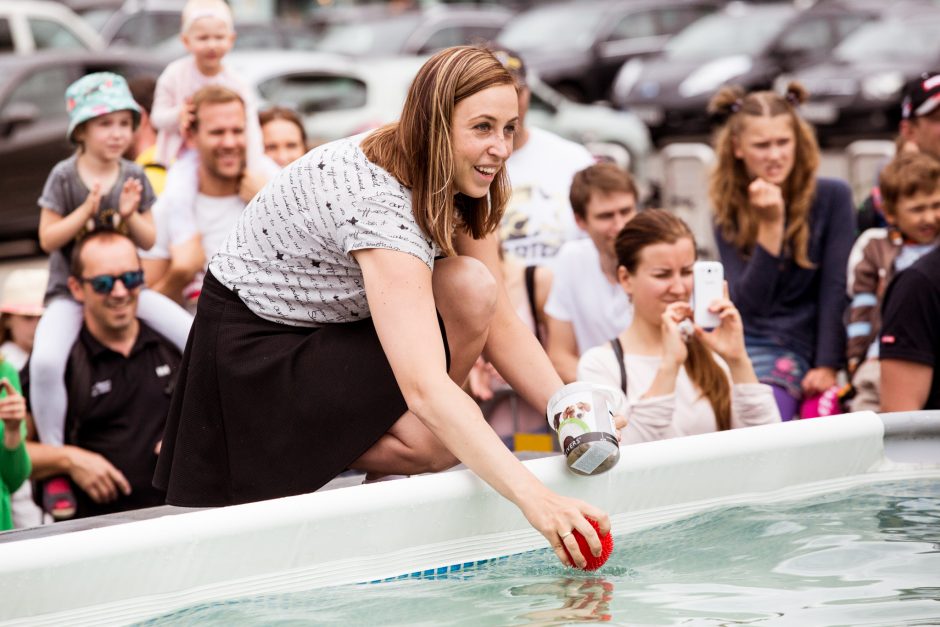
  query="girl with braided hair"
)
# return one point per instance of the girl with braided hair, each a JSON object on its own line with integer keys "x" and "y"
{"x": 784, "y": 236}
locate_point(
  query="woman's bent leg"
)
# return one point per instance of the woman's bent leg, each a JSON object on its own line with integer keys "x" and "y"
{"x": 465, "y": 297}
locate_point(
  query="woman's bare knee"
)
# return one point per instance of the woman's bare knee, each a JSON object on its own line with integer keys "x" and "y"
{"x": 465, "y": 293}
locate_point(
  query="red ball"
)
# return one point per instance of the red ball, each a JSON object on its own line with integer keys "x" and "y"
{"x": 607, "y": 547}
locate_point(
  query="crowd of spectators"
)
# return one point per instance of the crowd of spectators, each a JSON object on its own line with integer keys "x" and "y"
{"x": 819, "y": 316}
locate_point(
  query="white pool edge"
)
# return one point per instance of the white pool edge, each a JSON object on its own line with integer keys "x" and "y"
{"x": 128, "y": 572}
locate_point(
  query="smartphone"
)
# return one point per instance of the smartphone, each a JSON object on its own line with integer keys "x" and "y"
{"x": 708, "y": 280}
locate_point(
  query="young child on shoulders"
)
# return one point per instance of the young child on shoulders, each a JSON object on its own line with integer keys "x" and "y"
{"x": 94, "y": 189}
{"x": 208, "y": 34}
{"x": 674, "y": 383}
{"x": 910, "y": 192}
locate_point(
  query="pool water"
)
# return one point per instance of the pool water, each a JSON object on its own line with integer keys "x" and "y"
{"x": 868, "y": 556}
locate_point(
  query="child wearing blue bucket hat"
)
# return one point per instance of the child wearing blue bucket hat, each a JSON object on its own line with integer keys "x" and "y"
{"x": 94, "y": 189}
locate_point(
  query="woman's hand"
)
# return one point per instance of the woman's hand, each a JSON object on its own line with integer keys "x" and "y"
{"x": 767, "y": 201}
{"x": 818, "y": 380}
{"x": 727, "y": 339}
{"x": 675, "y": 351}
{"x": 620, "y": 423}
{"x": 129, "y": 201}
{"x": 556, "y": 516}
{"x": 13, "y": 413}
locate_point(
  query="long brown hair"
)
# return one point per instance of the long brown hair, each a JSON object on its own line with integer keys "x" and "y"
{"x": 656, "y": 226}
{"x": 418, "y": 149}
{"x": 729, "y": 179}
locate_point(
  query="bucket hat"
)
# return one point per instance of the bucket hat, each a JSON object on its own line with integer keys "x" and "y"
{"x": 23, "y": 292}
{"x": 98, "y": 94}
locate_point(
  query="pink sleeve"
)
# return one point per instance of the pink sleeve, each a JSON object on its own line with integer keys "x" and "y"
{"x": 752, "y": 404}
{"x": 650, "y": 419}
{"x": 167, "y": 98}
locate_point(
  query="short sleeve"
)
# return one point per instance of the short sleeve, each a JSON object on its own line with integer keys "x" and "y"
{"x": 909, "y": 329}
{"x": 147, "y": 195}
{"x": 381, "y": 217}
{"x": 53, "y": 192}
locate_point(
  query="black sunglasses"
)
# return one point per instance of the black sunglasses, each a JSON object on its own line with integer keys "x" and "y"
{"x": 104, "y": 283}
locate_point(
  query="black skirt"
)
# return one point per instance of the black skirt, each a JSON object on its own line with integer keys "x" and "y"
{"x": 263, "y": 410}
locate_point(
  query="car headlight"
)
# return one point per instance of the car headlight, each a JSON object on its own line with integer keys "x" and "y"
{"x": 713, "y": 74}
{"x": 627, "y": 77}
{"x": 884, "y": 86}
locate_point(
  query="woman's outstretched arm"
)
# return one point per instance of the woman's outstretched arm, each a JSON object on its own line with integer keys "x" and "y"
{"x": 401, "y": 299}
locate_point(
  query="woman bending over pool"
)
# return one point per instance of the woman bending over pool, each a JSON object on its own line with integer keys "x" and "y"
{"x": 350, "y": 302}
{"x": 671, "y": 386}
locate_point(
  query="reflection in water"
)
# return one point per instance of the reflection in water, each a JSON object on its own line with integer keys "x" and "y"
{"x": 583, "y": 601}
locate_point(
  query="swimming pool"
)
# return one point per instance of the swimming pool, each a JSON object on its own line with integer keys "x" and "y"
{"x": 866, "y": 555}
{"x": 137, "y": 571}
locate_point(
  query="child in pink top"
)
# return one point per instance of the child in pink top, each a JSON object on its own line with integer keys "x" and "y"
{"x": 208, "y": 34}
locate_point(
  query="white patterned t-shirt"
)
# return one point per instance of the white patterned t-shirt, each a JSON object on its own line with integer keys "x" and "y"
{"x": 289, "y": 259}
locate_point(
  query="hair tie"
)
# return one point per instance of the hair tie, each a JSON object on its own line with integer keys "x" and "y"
{"x": 735, "y": 106}
{"x": 792, "y": 98}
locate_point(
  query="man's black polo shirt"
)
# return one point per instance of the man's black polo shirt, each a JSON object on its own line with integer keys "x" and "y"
{"x": 910, "y": 319}
{"x": 126, "y": 409}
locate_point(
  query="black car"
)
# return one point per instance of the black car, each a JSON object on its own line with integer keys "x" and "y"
{"x": 578, "y": 47}
{"x": 858, "y": 91}
{"x": 33, "y": 123}
{"x": 747, "y": 45}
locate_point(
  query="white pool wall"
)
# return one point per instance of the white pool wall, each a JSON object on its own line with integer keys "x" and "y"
{"x": 122, "y": 573}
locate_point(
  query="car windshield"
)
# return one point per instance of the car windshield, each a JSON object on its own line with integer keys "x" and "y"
{"x": 725, "y": 34}
{"x": 570, "y": 27}
{"x": 373, "y": 38}
{"x": 892, "y": 40}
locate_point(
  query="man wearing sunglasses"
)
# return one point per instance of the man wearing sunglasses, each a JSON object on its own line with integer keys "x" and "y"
{"x": 119, "y": 380}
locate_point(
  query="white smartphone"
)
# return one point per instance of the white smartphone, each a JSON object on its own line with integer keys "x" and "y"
{"x": 708, "y": 286}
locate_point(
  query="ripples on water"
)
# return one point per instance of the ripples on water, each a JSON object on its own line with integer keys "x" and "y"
{"x": 869, "y": 556}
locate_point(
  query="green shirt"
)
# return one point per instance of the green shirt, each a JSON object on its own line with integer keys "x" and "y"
{"x": 14, "y": 465}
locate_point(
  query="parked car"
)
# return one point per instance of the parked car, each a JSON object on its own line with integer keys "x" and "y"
{"x": 270, "y": 35}
{"x": 386, "y": 32}
{"x": 143, "y": 23}
{"x": 27, "y": 26}
{"x": 94, "y": 12}
{"x": 578, "y": 47}
{"x": 858, "y": 91}
{"x": 338, "y": 96}
{"x": 747, "y": 45}
{"x": 33, "y": 123}
{"x": 155, "y": 26}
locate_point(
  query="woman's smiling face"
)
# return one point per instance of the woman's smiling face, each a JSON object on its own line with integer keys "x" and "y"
{"x": 482, "y": 131}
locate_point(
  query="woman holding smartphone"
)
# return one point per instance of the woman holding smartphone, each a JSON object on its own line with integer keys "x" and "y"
{"x": 674, "y": 382}
{"x": 784, "y": 236}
